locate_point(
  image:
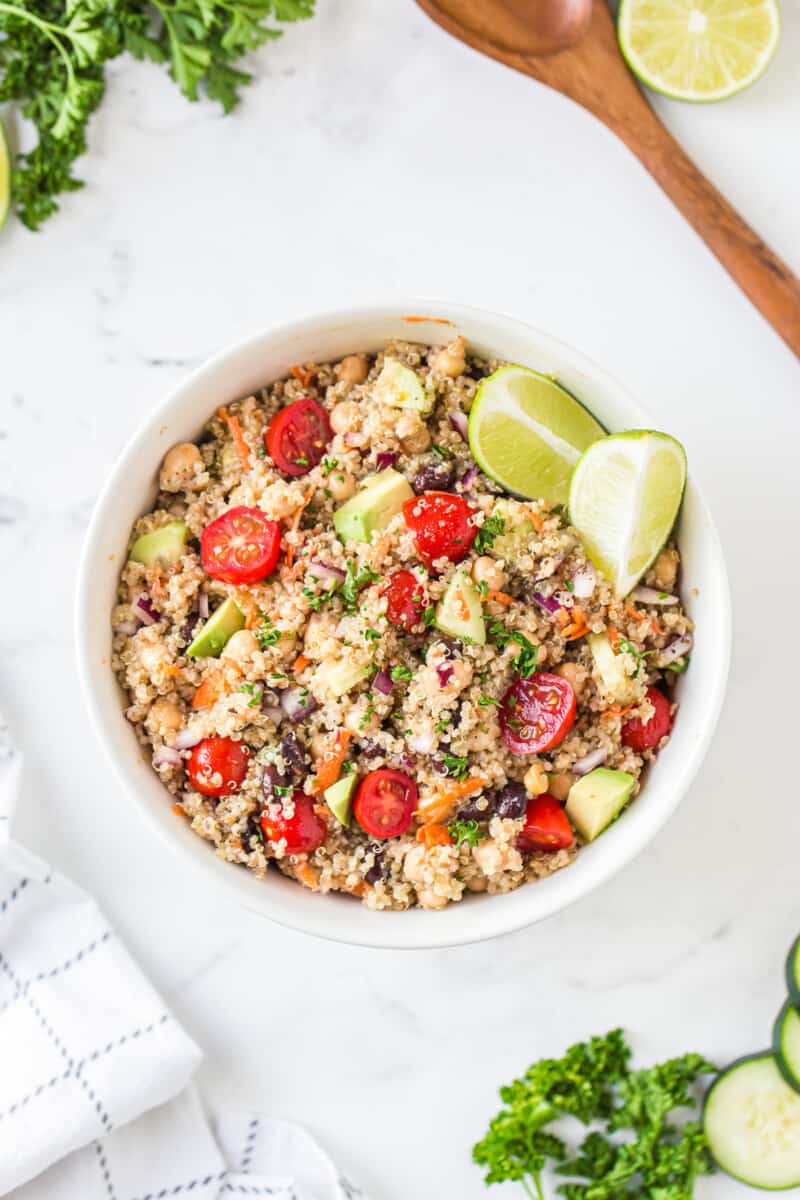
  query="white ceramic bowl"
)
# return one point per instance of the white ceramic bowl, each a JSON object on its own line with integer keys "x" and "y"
{"x": 130, "y": 491}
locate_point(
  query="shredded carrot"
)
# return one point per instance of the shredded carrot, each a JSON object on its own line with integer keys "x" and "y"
{"x": 435, "y": 320}
{"x": 178, "y": 810}
{"x": 437, "y": 807}
{"x": 633, "y": 612}
{"x": 235, "y": 429}
{"x": 499, "y": 597}
{"x": 307, "y": 876}
{"x": 294, "y": 524}
{"x": 331, "y": 766}
{"x": 612, "y": 633}
{"x": 434, "y": 835}
{"x": 300, "y": 664}
{"x": 304, "y": 376}
{"x": 208, "y": 692}
{"x": 563, "y": 617}
{"x": 251, "y": 611}
{"x": 173, "y": 670}
{"x": 357, "y": 889}
{"x": 573, "y": 632}
{"x": 615, "y": 712}
{"x": 656, "y": 628}
{"x": 538, "y": 523}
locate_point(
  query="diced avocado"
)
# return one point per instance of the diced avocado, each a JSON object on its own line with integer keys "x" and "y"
{"x": 340, "y": 675}
{"x": 209, "y": 642}
{"x": 166, "y": 545}
{"x": 400, "y": 387}
{"x": 370, "y": 510}
{"x": 513, "y": 542}
{"x": 459, "y": 612}
{"x": 339, "y": 798}
{"x": 598, "y": 798}
{"x": 615, "y": 681}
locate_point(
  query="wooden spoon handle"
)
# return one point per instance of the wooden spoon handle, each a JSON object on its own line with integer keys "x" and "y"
{"x": 771, "y": 286}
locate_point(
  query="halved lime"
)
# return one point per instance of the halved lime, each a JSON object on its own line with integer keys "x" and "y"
{"x": 5, "y": 177}
{"x": 698, "y": 49}
{"x": 623, "y": 500}
{"x": 527, "y": 433}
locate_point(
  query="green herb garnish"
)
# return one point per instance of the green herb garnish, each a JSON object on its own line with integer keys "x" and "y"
{"x": 441, "y": 452}
{"x": 401, "y": 674}
{"x": 465, "y": 831}
{"x": 256, "y": 690}
{"x": 491, "y": 528}
{"x": 456, "y": 765}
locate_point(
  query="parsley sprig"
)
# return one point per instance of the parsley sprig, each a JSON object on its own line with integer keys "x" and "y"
{"x": 661, "y": 1158}
{"x": 525, "y": 662}
{"x": 465, "y": 831}
{"x": 491, "y": 528}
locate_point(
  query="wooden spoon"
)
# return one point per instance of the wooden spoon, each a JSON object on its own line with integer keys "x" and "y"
{"x": 572, "y": 47}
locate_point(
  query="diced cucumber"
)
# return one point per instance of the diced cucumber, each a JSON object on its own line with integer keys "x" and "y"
{"x": 786, "y": 1044}
{"x": 752, "y": 1121}
{"x": 372, "y": 508}
{"x": 400, "y": 387}
{"x": 459, "y": 613}
{"x": 597, "y": 799}
{"x": 340, "y": 675}
{"x": 614, "y": 679}
{"x": 793, "y": 973}
{"x": 339, "y": 798}
{"x": 513, "y": 542}
{"x": 166, "y": 545}
{"x": 210, "y": 641}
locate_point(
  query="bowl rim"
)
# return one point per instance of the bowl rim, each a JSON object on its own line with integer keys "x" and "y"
{"x": 388, "y": 926}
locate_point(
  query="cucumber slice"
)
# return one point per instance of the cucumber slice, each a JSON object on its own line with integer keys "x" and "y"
{"x": 786, "y": 1044}
{"x": 614, "y": 679}
{"x": 597, "y": 799}
{"x": 751, "y": 1118}
{"x": 166, "y": 545}
{"x": 400, "y": 387}
{"x": 459, "y": 613}
{"x": 340, "y": 675}
{"x": 793, "y": 973}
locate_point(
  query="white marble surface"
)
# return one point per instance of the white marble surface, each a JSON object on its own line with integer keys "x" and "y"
{"x": 375, "y": 155}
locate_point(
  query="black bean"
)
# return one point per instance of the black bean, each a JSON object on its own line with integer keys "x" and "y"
{"x": 438, "y": 475}
{"x": 272, "y": 779}
{"x": 370, "y": 749}
{"x": 188, "y": 628}
{"x": 293, "y": 753}
{"x": 511, "y": 801}
{"x": 377, "y": 870}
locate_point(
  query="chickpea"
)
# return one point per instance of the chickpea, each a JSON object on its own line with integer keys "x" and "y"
{"x": 345, "y": 417}
{"x": 414, "y": 864}
{"x": 574, "y": 675}
{"x": 240, "y": 647}
{"x": 560, "y": 785}
{"x": 665, "y": 571}
{"x": 341, "y": 485}
{"x": 281, "y": 499}
{"x": 452, "y": 359}
{"x": 412, "y": 432}
{"x": 477, "y": 883}
{"x": 182, "y": 468}
{"x": 485, "y": 570}
{"x": 353, "y": 368}
{"x": 535, "y": 779}
{"x": 164, "y": 717}
{"x": 320, "y": 744}
{"x": 428, "y": 898}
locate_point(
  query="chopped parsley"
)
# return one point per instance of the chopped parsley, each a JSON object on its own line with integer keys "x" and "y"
{"x": 456, "y": 765}
{"x": 569, "y": 585}
{"x": 372, "y": 635}
{"x": 328, "y": 465}
{"x": 465, "y": 831}
{"x": 255, "y": 690}
{"x": 401, "y": 674}
{"x": 525, "y": 662}
{"x": 266, "y": 634}
{"x": 482, "y": 588}
{"x": 487, "y": 701}
{"x": 352, "y": 584}
{"x": 678, "y": 667}
{"x": 491, "y": 528}
{"x": 429, "y": 616}
{"x": 626, "y": 647}
{"x": 302, "y": 461}
{"x": 314, "y": 601}
{"x": 441, "y": 452}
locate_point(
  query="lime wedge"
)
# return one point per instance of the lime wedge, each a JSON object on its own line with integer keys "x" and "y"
{"x": 5, "y": 177}
{"x": 698, "y": 49}
{"x": 623, "y": 500}
{"x": 527, "y": 433}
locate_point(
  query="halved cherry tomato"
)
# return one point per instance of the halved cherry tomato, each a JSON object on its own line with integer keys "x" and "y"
{"x": 385, "y": 803}
{"x": 297, "y": 436}
{"x": 241, "y": 546}
{"x": 304, "y": 831}
{"x": 443, "y": 525}
{"x": 406, "y": 600}
{"x": 536, "y": 713}
{"x": 645, "y": 735}
{"x": 546, "y": 825}
{"x": 217, "y": 766}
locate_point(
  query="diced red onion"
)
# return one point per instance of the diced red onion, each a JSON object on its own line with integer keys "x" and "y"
{"x": 186, "y": 738}
{"x": 325, "y": 572}
{"x": 548, "y": 603}
{"x": 297, "y": 703}
{"x": 648, "y": 595}
{"x": 354, "y": 439}
{"x": 202, "y": 605}
{"x": 459, "y": 422}
{"x": 589, "y": 761}
{"x": 126, "y": 628}
{"x": 383, "y": 682}
{"x": 675, "y": 650}
{"x": 273, "y": 713}
{"x": 445, "y": 673}
{"x": 584, "y": 582}
{"x": 165, "y": 756}
{"x": 386, "y": 458}
{"x": 143, "y": 607}
{"x": 469, "y": 477}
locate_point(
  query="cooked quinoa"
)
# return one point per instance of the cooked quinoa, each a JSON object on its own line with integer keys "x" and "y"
{"x": 422, "y": 702}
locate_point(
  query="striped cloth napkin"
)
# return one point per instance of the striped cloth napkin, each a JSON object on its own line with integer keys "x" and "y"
{"x": 95, "y": 1094}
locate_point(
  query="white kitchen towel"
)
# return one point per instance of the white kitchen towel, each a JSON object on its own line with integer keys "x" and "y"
{"x": 94, "y": 1069}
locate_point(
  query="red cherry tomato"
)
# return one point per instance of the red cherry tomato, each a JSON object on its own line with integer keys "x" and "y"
{"x": 546, "y": 826}
{"x": 385, "y": 803}
{"x": 536, "y": 713}
{"x": 406, "y": 600}
{"x": 297, "y": 436}
{"x": 303, "y": 832}
{"x": 217, "y": 766}
{"x": 442, "y": 525}
{"x": 241, "y": 546}
{"x": 646, "y": 735}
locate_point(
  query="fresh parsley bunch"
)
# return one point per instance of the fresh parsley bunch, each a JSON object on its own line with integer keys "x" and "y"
{"x": 52, "y": 65}
{"x": 593, "y": 1082}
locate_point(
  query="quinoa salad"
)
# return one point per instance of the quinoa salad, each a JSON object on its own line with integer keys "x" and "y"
{"x": 353, "y": 658}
